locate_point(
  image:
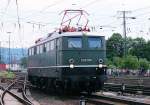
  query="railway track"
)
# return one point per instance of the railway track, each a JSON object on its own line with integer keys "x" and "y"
{"x": 24, "y": 99}
{"x": 130, "y": 80}
{"x": 133, "y": 89}
{"x": 110, "y": 100}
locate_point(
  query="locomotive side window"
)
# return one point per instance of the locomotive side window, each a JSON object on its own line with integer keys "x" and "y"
{"x": 44, "y": 47}
{"x": 47, "y": 46}
{"x": 52, "y": 43}
{"x": 58, "y": 43}
{"x": 41, "y": 49}
{"x": 35, "y": 51}
{"x": 30, "y": 52}
{"x": 94, "y": 42}
{"x": 38, "y": 49}
{"x": 74, "y": 42}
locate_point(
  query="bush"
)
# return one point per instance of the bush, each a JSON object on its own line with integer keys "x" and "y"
{"x": 118, "y": 62}
{"x": 130, "y": 62}
{"x": 143, "y": 63}
{"x": 7, "y": 74}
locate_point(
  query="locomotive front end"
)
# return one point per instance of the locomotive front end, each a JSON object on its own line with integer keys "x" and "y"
{"x": 84, "y": 57}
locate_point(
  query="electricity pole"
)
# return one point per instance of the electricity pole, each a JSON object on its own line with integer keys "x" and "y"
{"x": 124, "y": 33}
{"x": 9, "y": 51}
{"x": 124, "y": 30}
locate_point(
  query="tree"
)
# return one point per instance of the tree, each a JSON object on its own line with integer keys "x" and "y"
{"x": 118, "y": 62}
{"x": 129, "y": 43}
{"x": 115, "y": 46}
{"x": 137, "y": 47}
{"x": 130, "y": 62}
{"x": 110, "y": 64}
{"x": 144, "y": 64}
{"x": 146, "y": 51}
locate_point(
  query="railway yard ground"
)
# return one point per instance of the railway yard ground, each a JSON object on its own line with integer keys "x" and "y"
{"x": 40, "y": 98}
{"x": 34, "y": 96}
{"x": 10, "y": 100}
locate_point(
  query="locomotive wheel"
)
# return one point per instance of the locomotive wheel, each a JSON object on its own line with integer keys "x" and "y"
{"x": 58, "y": 87}
{"x": 49, "y": 88}
{"x": 89, "y": 92}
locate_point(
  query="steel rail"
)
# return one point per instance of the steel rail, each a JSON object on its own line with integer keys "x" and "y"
{"x": 24, "y": 101}
{"x": 112, "y": 100}
{"x": 24, "y": 92}
{"x": 4, "y": 92}
{"x": 133, "y": 89}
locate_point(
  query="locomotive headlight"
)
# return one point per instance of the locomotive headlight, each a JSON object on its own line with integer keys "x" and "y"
{"x": 100, "y": 65}
{"x": 71, "y": 66}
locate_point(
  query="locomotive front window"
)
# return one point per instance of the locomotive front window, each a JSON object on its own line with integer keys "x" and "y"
{"x": 94, "y": 42}
{"x": 74, "y": 43}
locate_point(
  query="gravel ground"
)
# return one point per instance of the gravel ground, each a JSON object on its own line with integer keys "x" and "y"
{"x": 48, "y": 99}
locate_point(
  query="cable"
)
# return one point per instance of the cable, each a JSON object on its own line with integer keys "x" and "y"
{"x": 45, "y": 8}
{"x": 5, "y": 10}
{"x": 90, "y": 3}
{"x": 142, "y": 14}
{"x": 51, "y": 5}
{"x": 139, "y": 9}
{"x": 3, "y": 13}
{"x": 19, "y": 31}
{"x": 18, "y": 14}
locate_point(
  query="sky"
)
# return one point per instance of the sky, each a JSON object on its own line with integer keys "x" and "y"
{"x": 25, "y": 21}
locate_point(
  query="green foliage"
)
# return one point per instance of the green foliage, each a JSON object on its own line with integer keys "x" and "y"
{"x": 7, "y": 74}
{"x": 130, "y": 62}
{"x": 110, "y": 64}
{"x": 146, "y": 51}
{"x": 118, "y": 62}
{"x": 115, "y": 46}
{"x": 144, "y": 64}
{"x": 137, "y": 47}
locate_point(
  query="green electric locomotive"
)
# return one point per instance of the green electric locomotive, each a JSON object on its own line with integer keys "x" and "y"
{"x": 70, "y": 59}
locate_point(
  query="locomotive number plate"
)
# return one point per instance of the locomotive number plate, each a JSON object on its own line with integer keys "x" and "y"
{"x": 86, "y": 60}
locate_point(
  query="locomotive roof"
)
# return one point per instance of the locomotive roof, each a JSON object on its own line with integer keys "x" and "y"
{"x": 57, "y": 35}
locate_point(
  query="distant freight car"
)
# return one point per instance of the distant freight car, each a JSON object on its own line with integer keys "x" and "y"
{"x": 2, "y": 67}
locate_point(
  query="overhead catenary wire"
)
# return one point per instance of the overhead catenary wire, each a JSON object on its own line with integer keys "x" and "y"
{"x": 140, "y": 9}
{"x": 90, "y": 3}
{"x": 3, "y": 13}
{"x": 19, "y": 30}
{"x": 51, "y": 5}
{"x": 5, "y": 10}
{"x": 87, "y": 4}
{"x": 44, "y": 9}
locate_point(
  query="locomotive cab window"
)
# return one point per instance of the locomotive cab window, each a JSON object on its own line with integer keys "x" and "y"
{"x": 74, "y": 42}
{"x": 94, "y": 42}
